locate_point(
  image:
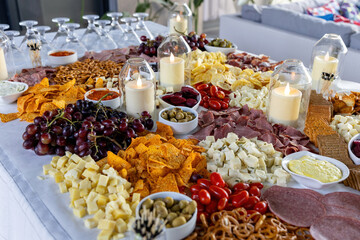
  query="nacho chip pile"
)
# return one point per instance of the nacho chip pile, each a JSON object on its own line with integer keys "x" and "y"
{"x": 159, "y": 162}
{"x": 43, "y": 97}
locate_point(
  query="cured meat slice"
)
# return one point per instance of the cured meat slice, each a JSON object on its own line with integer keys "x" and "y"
{"x": 295, "y": 207}
{"x": 335, "y": 228}
{"x": 332, "y": 210}
{"x": 202, "y": 133}
{"x": 347, "y": 200}
{"x": 206, "y": 118}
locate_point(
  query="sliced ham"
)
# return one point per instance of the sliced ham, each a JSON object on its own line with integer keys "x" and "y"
{"x": 206, "y": 118}
{"x": 244, "y": 131}
{"x": 335, "y": 228}
{"x": 222, "y": 131}
{"x": 202, "y": 133}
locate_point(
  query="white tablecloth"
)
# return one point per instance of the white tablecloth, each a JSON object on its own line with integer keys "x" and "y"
{"x": 32, "y": 208}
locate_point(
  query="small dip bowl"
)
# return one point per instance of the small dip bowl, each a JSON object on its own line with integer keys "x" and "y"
{"x": 62, "y": 57}
{"x": 113, "y": 101}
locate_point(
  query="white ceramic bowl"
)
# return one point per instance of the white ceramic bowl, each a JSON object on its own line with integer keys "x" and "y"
{"x": 181, "y": 127}
{"x": 56, "y": 61}
{"x": 13, "y": 97}
{"x": 311, "y": 182}
{"x": 165, "y": 104}
{"x": 178, "y": 232}
{"x": 355, "y": 159}
{"x": 113, "y": 103}
{"x": 225, "y": 51}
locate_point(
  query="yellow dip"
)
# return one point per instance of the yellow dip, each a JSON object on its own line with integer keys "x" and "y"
{"x": 320, "y": 170}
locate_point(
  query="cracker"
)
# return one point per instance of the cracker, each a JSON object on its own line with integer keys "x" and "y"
{"x": 353, "y": 180}
{"x": 317, "y": 126}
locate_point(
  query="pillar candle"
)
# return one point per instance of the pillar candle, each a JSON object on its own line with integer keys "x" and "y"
{"x": 322, "y": 64}
{"x": 178, "y": 24}
{"x": 3, "y": 69}
{"x": 172, "y": 72}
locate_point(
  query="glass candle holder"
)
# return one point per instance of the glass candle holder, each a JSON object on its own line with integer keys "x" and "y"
{"x": 5, "y": 56}
{"x": 290, "y": 88}
{"x": 327, "y": 56}
{"x": 137, "y": 86}
{"x": 180, "y": 19}
{"x": 173, "y": 53}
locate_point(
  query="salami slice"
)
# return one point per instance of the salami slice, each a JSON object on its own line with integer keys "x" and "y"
{"x": 335, "y": 228}
{"x": 279, "y": 189}
{"x": 347, "y": 200}
{"x": 332, "y": 210}
{"x": 294, "y": 206}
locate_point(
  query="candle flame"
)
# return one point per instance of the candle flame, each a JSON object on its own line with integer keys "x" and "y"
{"x": 287, "y": 90}
{"x": 138, "y": 81}
{"x": 172, "y": 58}
{"x": 178, "y": 18}
{"x": 326, "y": 58}
{"x": 293, "y": 76}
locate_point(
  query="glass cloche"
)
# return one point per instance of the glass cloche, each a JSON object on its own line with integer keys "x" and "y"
{"x": 180, "y": 18}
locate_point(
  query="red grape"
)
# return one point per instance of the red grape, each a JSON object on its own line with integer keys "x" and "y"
{"x": 45, "y": 138}
{"x": 31, "y": 129}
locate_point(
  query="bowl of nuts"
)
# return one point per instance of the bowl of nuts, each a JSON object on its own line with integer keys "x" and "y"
{"x": 178, "y": 210}
{"x": 182, "y": 120}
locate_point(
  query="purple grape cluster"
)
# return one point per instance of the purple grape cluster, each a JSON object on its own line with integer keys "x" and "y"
{"x": 84, "y": 128}
{"x": 149, "y": 47}
{"x": 196, "y": 42}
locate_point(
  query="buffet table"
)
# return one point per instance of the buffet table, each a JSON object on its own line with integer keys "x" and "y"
{"x": 31, "y": 204}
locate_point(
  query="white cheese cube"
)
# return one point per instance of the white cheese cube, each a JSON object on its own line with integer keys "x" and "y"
{"x": 92, "y": 196}
{"x": 79, "y": 212}
{"x": 59, "y": 177}
{"x": 241, "y": 154}
{"x": 135, "y": 197}
{"x": 72, "y": 174}
{"x": 100, "y": 214}
{"x": 62, "y": 187}
{"x": 105, "y": 235}
{"x": 233, "y": 146}
{"x": 105, "y": 224}
{"x": 91, "y": 165}
{"x": 46, "y": 169}
{"x": 85, "y": 184}
{"x": 68, "y": 154}
{"x": 89, "y": 173}
{"x": 79, "y": 203}
{"x": 121, "y": 226}
{"x": 211, "y": 167}
{"x": 61, "y": 162}
{"x": 103, "y": 180}
{"x": 251, "y": 161}
{"x": 75, "y": 158}
{"x": 80, "y": 165}
{"x": 90, "y": 223}
{"x": 92, "y": 207}
{"x": 229, "y": 155}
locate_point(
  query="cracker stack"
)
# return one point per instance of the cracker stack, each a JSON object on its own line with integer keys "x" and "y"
{"x": 353, "y": 180}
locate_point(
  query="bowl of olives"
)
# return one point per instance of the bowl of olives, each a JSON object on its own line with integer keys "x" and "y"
{"x": 220, "y": 45}
{"x": 182, "y": 120}
{"x": 178, "y": 210}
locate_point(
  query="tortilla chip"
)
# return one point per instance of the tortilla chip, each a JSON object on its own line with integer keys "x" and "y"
{"x": 167, "y": 184}
{"x": 90, "y": 81}
{"x": 117, "y": 162}
{"x": 8, "y": 117}
{"x": 59, "y": 103}
{"x": 44, "y": 82}
{"x": 164, "y": 130}
{"x": 99, "y": 83}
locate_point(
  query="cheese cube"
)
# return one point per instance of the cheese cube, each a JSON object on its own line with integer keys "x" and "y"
{"x": 84, "y": 192}
{"x": 118, "y": 236}
{"x": 103, "y": 180}
{"x": 126, "y": 208}
{"x": 75, "y": 158}
{"x": 101, "y": 189}
{"x": 62, "y": 187}
{"x": 105, "y": 224}
{"x": 75, "y": 183}
{"x": 111, "y": 189}
{"x": 92, "y": 166}
{"x": 119, "y": 214}
{"x": 61, "y": 162}
{"x": 121, "y": 225}
{"x": 124, "y": 193}
{"x": 52, "y": 172}
{"x": 102, "y": 200}
{"x": 85, "y": 184}
{"x": 89, "y": 173}
{"x": 79, "y": 212}
{"x": 92, "y": 196}
{"x": 88, "y": 158}
{"x": 134, "y": 205}
{"x": 46, "y": 169}
{"x": 74, "y": 193}
{"x": 229, "y": 155}
{"x": 95, "y": 178}
{"x": 104, "y": 235}
{"x": 233, "y": 146}
{"x": 92, "y": 207}
{"x": 70, "y": 166}
{"x": 80, "y": 165}
{"x": 68, "y": 183}
{"x": 112, "y": 205}
{"x": 68, "y": 154}
{"x": 100, "y": 214}
{"x": 114, "y": 182}
{"x": 63, "y": 170}
{"x": 113, "y": 197}
{"x": 79, "y": 203}
{"x": 72, "y": 174}
{"x": 136, "y": 197}
{"x": 59, "y": 177}
{"x": 90, "y": 223}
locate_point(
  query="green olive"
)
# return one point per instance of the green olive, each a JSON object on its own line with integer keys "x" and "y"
{"x": 159, "y": 203}
{"x": 178, "y": 221}
{"x": 161, "y": 212}
{"x": 190, "y": 209}
{"x": 169, "y": 201}
{"x": 183, "y": 204}
{"x": 193, "y": 203}
{"x": 179, "y": 115}
{"x": 172, "y": 113}
{"x": 182, "y": 120}
{"x": 171, "y": 216}
{"x": 168, "y": 225}
{"x": 175, "y": 208}
{"x": 187, "y": 216}
{"x": 173, "y": 120}
{"x": 164, "y": 115}
{"x": 148, "y": 203}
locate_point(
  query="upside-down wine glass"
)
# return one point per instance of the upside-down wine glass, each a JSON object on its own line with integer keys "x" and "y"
{"x": 6, "y": 58}
{"x": 106, "y": 42}
{"x": 3, "y": 27}
{"x": 91, "y": 36}
{"x": 46, "y": 47}
{"x": 115, "y": 30}
{"x": 31, "y": 44}
{"x": 60, "y": 36}
{"x": 18, "y": 55}
{"x": 129, "y": 37}
{"x": 30, "y": 34}
{"x": 141, "y": 29}
{"x": 72, "y": 41}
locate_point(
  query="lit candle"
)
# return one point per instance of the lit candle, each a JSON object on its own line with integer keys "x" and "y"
{"x": 178, "y": 24}
{"x": 327, "y": 64}
{"x": 172, "y": 72}
{"x": 3, "y": 69}
{"x": 139, "y": 96}
{"x": 284, "y": 105}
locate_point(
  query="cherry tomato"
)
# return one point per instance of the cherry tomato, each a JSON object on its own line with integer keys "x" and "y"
{"x": 261, "y": 207}
{"x": 195, "y": 197}
{"x": 227, "y": 100}
{"x": 206, "y": 105}
{"x": 204, "y": 183}
{"x": 229, "y": 207}
{"x": 222, "y": 204}
{"x": 202, "y": 87}
{"x": 212, "y": 207}
{"x": 224, "y": 105}
{"x": 241, "y": 186}
{"x": 203, "y": 93}
{"x": 198, "y": 84}
{"x": 205, "y": 98}
{"x": 254, "y": 191}
{"x": 195, "y": 189}
{"x": 218, "y": 192}
{"x": 228, "y": 190}
{"x": 220, "y": 94}
{"x": 213, "y": 90}
{"x": 215, "y": 105}
{"x": 217, "y": 180}
{"x": 204, "y": 197}
{"x": 225, "y": 91}
{"x": 259, "y": 185}
{"x": 240, "y": 198}
{"x": 200, "y": 206}
{"x": 251, "y": 202}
